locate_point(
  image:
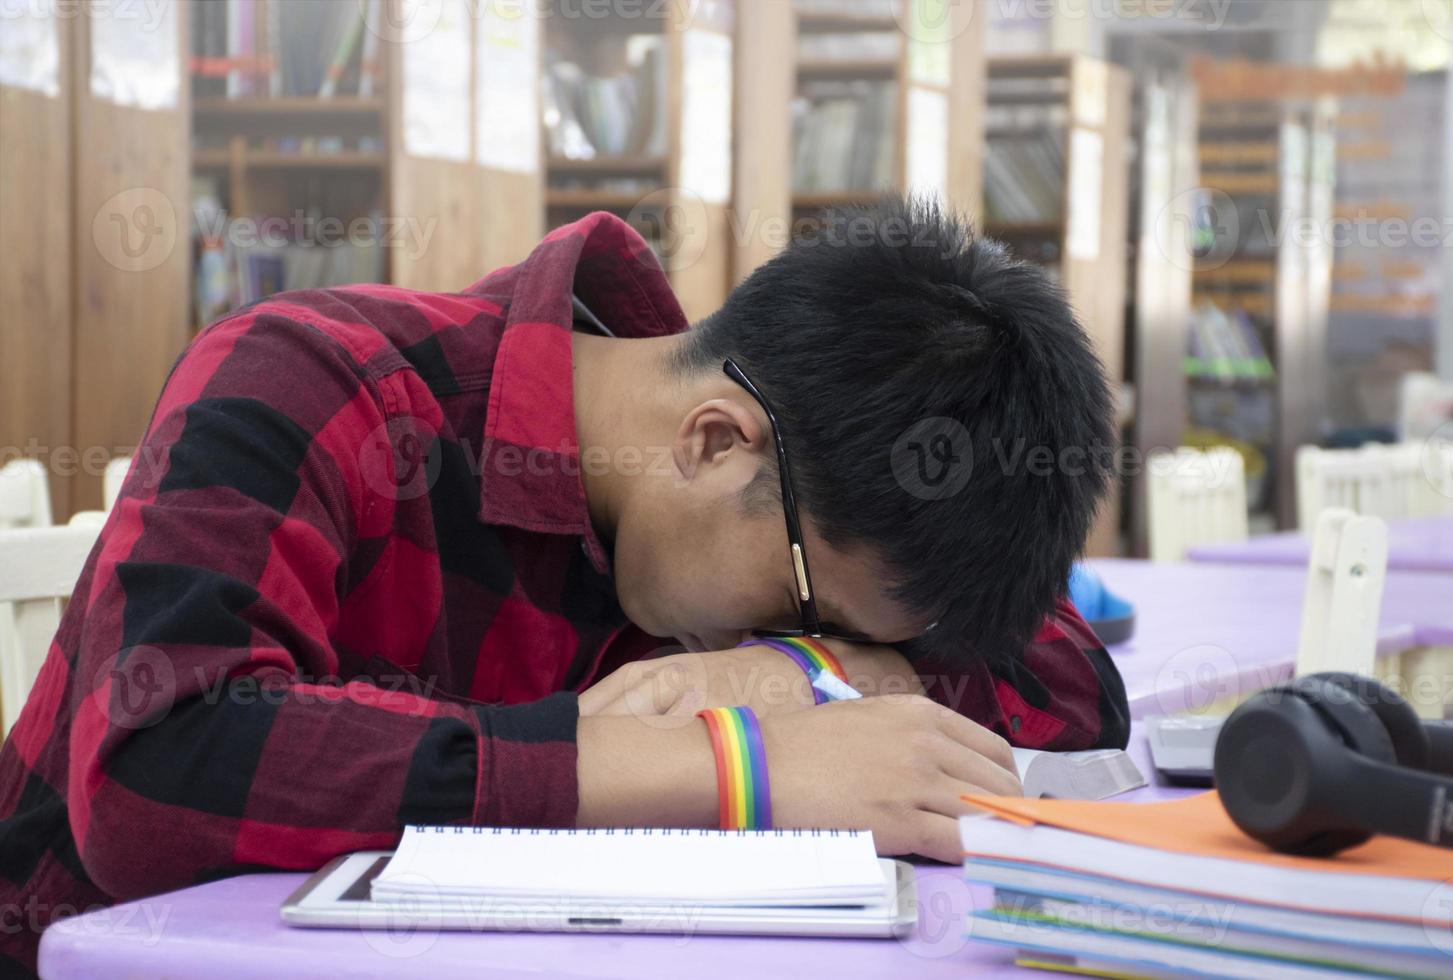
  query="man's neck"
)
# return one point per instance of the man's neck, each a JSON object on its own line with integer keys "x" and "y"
{"x": 624, "y": 417}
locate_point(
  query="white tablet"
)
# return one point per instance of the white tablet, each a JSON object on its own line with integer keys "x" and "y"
{"x": 337, "y": 897}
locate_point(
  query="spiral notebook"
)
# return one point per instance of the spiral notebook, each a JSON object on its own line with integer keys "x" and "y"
{"x": 646, "y": 865}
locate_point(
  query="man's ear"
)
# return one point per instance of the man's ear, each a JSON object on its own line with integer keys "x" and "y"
{"x": 713, "y": 431}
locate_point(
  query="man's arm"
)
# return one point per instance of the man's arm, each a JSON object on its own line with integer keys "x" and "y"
{"x": 1062, "y": 693}
{"x": 200, "y": 744}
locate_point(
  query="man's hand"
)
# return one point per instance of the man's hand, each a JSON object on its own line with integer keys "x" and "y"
{"x": 763, "y": 678}
{"x": 895, "y": 765}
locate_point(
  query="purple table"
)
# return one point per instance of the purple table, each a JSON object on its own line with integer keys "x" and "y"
{"x": 1205, "y": 631}
{"x": 231, "y": 928}
{"x": 1414, "y": 544}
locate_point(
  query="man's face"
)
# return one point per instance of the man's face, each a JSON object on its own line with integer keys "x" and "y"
{"x": 692, "y": 562}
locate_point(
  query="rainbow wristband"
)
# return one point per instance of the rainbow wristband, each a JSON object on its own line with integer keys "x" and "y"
{"x": 825, "y": 673}
{"x": 741, "y": 768}
{"x": 811, "y": 669}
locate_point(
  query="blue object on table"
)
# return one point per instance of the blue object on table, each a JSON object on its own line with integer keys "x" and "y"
{"x": 1111, "y": 617}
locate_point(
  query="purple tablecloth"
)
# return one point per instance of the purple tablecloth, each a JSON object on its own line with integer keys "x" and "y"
{"x": 230, "y": 928}
{"x": 1415, "y": 544}
{"x": 1207, "y": 631}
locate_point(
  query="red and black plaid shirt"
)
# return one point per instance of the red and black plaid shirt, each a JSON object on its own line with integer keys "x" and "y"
{"x": 351, "y": 584}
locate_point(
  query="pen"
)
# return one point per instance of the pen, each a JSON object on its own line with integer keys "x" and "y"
{"x": 834, "y": 687}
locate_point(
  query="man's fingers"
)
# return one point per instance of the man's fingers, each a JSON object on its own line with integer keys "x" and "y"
{"x": 966, "y": 766}
{"x": 595, "y": 699}
{"x": 974, "y": 736}
{"x": 937, "y": 836}
{"x": 948, "y": 799}
{"x": 655, "y": 693}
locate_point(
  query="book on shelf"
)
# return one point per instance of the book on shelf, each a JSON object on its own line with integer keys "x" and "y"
{"x": 831, "y": 47}
{"x": 293, "y": 145}
{"x": 1225, "y": 347}
{"x": 588, "y": 116}
{"x": 210, "y": 61}
{"x": 1024, "y": 176}
{"x": 1166, "y": 889}
{"x": 272, "y": 39}
{"x": 845, "y": 133}
{"x": 368, "y": 62}
{"x": 342, "y": 55}
{"x": 1027, "y": 95}
{"x": 241, "y": 45}
{"x": 865, "y": 9}
{"x": 234, "y": 270}
{"x": 262, "y": 269}
{"x": 631, "y": 186}
{"x": 249, "y": 48}
{"x": 212, "y": 280}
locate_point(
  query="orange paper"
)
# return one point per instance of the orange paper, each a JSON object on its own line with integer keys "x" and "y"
{"x": 1199, "y": 825}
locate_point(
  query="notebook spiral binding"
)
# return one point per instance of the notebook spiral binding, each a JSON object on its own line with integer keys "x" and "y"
{"x": 642, "y": 831}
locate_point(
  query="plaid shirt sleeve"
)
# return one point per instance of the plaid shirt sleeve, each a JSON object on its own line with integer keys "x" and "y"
{"x": 1062, "y": 693}
{"x": 210, "y": 732}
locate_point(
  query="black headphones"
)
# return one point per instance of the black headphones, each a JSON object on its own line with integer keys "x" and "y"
{"x": 1324, "y": 762}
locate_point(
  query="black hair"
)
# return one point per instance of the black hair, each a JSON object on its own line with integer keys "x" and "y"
{"x": 920, "y": 374}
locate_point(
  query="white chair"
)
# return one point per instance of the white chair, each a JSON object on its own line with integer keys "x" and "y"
{"x": 1336, "y": 478}
{"x": 38, "y": 572}
{"x": 114, "y": 477}
{"x": 1346, "y": 573}
{"x": 1402, "y": 471}
{"x": 24, "y": 494}
{"x": 1195, "y": 498}
{"x": 1425, "y": 403}
{"x": 1432, "y": 491}
{"x": 1410, "y": 479}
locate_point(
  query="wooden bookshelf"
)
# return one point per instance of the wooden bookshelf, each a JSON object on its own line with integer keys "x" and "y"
{"x": 267, "y": 144}
{"x": 251, "y": 160}
{"x": 676, "y": 188}
{"x": 590, "y": 199}
{"x": 936, "y": 77}
{"x": 448, "y": 210}
{"x": 844, "y": 21}
{"x": 1268, "y": 167}
{"x": 606, "y": 166}
{"x": 872, "y": 68}
{"x": 832, "y": 199}
{"x": 1075, "y": 221}
{"x": 1010, "y": 230}
{"x": 289, "y": 105}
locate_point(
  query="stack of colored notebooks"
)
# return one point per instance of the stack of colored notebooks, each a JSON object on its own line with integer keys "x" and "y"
{"x": 1174, "y": 889}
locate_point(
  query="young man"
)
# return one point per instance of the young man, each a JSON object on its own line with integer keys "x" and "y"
{"x": 375, "y": 542}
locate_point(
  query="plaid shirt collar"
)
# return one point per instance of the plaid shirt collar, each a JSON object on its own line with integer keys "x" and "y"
{"x": 531, "y": 473}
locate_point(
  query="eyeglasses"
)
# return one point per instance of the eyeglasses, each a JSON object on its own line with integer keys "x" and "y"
{"x": 807, "y": 603}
